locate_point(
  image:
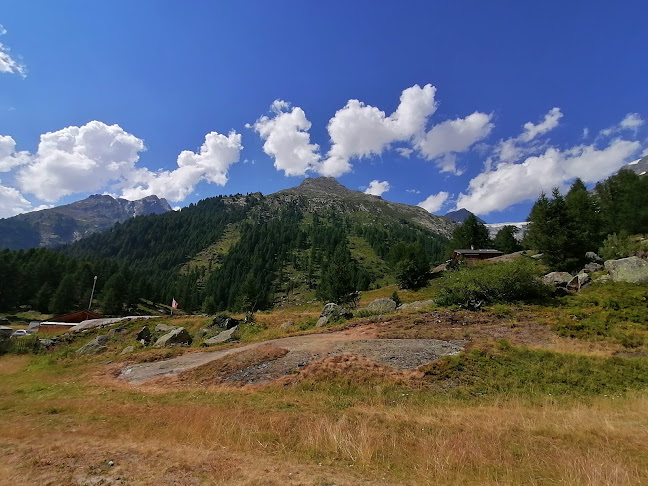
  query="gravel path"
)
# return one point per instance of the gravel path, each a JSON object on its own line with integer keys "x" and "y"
{"x": 401, "y": 354}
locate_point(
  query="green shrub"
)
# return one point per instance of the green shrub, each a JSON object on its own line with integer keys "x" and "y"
{"x": 484, "y": 284}
{"x": 617, "y": 246}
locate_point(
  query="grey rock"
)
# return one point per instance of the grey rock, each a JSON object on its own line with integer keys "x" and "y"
{"x": 557, "y": 279}
{"x": 632, "y": 269}
{"x": 177, "y": 337}
{"x": 382, "y": 306}
{"x": 221, "y": 337}
{"x": 144, "y": 336}
{"x": 537, "y": 256}
{"x": 332, "y": 312}
{"x": 419, "y": 304}
{"x": 223, "y": 321}
{"x": 593, "y": 257}
{"x": 165, "y": 328}
{"x": 592, "y": 267}
{"x": 287, "y": 325}
{"x": 603, "y": 279}
{"x": 579, "y": 281}
{"x": 97, "y": 345}
{"x": 46, "y": 343}
{"x": 128, "y": 349}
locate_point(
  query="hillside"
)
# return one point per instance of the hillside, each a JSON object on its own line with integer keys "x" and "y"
{"x": 460, "y": 215}
{"x": 279, "y": 244}
{"x": 71, "y": 222}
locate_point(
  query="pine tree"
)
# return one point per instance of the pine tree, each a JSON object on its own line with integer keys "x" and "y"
{"x": 505, "y": 240}
{"x": 64, "y": 298}
{"x": 471, "y": 234}
{"x": 337, "y": 283}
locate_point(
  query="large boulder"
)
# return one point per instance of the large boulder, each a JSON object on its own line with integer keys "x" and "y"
{"x": 557, "y": 279}
{"x": 97, "y": 345}
{"x": 632, "y": 269}
{"x": 419, "y": 304}
{"x": 221, "y": 337}
{"x": 382, "y": 306}
{"x": 177, "y": 337}
{"x": 332, "y": 312}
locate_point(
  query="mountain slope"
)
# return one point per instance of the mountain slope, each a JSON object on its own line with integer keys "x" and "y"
{"x": 640, "y": 166}
{"x": 65, "y": 224}
{"x": 321, "y": 194}
{"x": 460, "y": 215}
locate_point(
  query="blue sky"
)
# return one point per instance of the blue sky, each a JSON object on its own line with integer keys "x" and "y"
{"x": 475, "y": 104}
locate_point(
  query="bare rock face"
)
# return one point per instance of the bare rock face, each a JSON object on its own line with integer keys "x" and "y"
{"x": 632, "y": 269}
{"x": 177, "y": 337}
{"x": 557, "y": 279}
{"x": 222, "y": 337}
{"x": 579, "y": 281}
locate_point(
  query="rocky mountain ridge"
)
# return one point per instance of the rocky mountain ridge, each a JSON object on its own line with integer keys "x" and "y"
{"x": 71, "y": 222}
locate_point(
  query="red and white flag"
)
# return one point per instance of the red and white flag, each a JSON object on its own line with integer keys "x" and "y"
{"x": 174, "y": 304}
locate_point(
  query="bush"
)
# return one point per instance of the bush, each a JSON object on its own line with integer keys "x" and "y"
{"x": 475, "y": 286}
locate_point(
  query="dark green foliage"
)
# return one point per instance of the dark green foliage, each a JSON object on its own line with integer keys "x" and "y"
{"x": 617, "y": 246}
{"x": 509, "y": 370}
{"x": 505, "y": 240}
{"x": 411, "y": 265}
{"x": 395, "y": 297}
{"x": 475, "y": 286}
{"x": 470, "y": 234}
{"x": 337, "y": 282}
{"x": 115, "y": 294}
{"x": 64, "y": 298}
{"x": 623, "y": 200}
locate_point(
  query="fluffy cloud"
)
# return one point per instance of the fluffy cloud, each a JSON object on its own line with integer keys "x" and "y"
{"x": 550, "y": 122}
{"x": 287, "y": 139}
{"x": 513, "y": 149}
{"x": 7, "y": 63}
{"x": 377, "y": 188}
{"x": 359, "y": 131}
{"x": 97, "y": 156}
{"x": 211, "y": 164}
{"x": 434, "y": 202}
{"x": 79, "y": 159}
{"x": 454, "y": 136}
{"x": 511, "y": 183}
{"x": 631, "y": 122}
{"x": 12, "y": 202}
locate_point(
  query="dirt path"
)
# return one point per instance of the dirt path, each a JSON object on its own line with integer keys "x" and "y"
{"x": 401, "y": 354}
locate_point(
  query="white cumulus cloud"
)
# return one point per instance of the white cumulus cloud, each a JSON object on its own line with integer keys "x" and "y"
{"x": 287, "y": 139}
{"x": 7, "y": 63}
{"x": 377, "y": 188}
{"x": 512, "y": 149}
{"x": 210, "y": 164}
{"x": 434, "y": 202}
{"x": 550, "y": 122}
{"x": 12, "y": 202}
{"x": 511, "y": 183}
{"x": 631, "y": 122}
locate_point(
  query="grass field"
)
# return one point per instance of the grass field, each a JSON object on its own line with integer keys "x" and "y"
{"x": 532, "y": 400}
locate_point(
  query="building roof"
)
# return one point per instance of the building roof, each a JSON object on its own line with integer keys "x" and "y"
{"x": 76, "y": 317}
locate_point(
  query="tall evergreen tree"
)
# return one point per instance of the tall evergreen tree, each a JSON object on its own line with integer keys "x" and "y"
{"x": 471, "y": 234}
{"x": 64, "y": 299}
{"x": 337, "y": 282}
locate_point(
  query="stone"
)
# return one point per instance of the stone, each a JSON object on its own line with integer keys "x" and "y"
{"x": 592, "y": 267}
{"x": 603, "y": 279}
{"x": 593, "y": 257}
{"x": 287, "y": 325}
{"x": 221, "y": 337}
{"x": 223, "y": 321}
{"x": 144, "y": 336}
{"x": 632, "y": 269}
{"x": 419, "y": 304}
{"x": 332, "y": 312}
{"x": 97, "y": 345}
{"x": 46, "y": 343}
{"x": 579, "y": 281}
{"x": 177, "y": 337}
{"x": 128, "y": 349}
{"x": 537, "y": 256}
{"x": 382, "y": 306}
{"x": 165, "y": 328}
{"x": 557, "y": 279}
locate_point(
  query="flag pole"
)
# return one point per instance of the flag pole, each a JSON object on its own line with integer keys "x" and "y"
{"x": 92, "y": 293}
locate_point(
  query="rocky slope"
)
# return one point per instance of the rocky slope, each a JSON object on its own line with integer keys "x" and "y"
{"x": 71, "y": 222}
{"x": 640, "y": 166}
{"x": 323, "y": 194}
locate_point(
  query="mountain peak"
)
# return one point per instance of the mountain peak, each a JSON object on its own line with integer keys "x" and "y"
{"x": 460, "y": 215}
{"x": 323, "y": 184}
